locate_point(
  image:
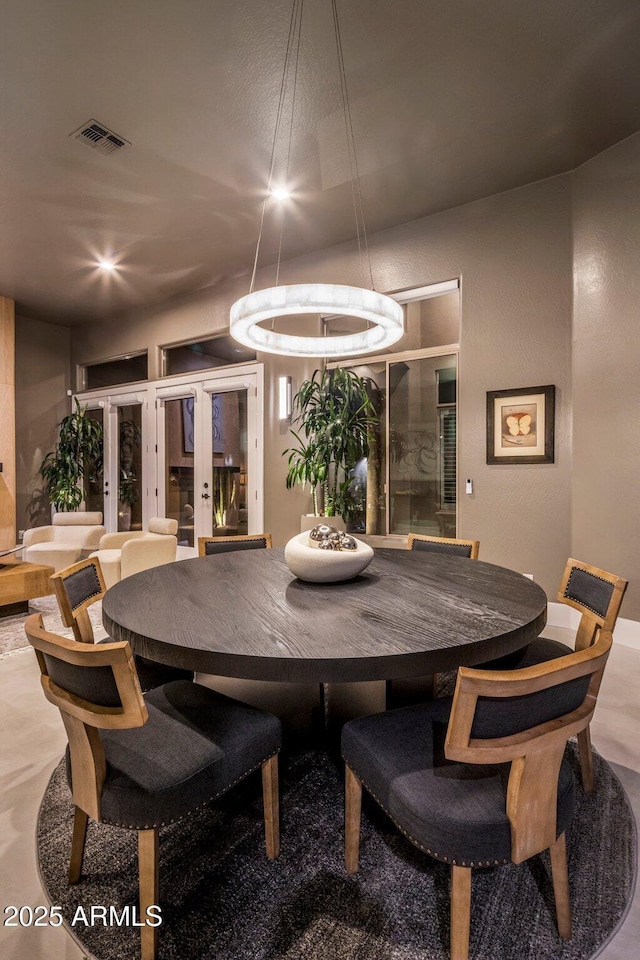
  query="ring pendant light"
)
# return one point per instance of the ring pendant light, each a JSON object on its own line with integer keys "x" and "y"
{"x": 384, "y": 316}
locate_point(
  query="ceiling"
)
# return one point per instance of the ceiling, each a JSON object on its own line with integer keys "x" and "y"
{"x": 450, "y": 102}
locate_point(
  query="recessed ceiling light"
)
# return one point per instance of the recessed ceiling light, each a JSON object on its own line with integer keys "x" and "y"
{"x": 280, "y": 193}
{"x": 106, "y": 265}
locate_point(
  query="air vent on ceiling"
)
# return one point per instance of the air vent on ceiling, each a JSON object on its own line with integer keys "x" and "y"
{"x": 99, "y": 137}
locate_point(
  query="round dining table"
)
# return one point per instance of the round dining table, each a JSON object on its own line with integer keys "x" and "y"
{"x": 245, "y": 615}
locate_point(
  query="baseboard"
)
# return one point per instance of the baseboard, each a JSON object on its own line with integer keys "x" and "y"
{"x": 627, "y": 632}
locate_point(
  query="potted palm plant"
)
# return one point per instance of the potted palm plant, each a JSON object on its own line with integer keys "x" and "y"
{"x": 335, "y": 416}
{"x": 77, "y": 455}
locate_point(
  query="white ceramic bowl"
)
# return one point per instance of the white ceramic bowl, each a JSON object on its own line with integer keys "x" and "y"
{"x": 308, "y": 562}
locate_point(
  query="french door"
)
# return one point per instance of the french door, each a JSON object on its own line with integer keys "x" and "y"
{"x": 118, "y": 484}
{"x": 209, "y": 470}
{"x": 186, "y": 448}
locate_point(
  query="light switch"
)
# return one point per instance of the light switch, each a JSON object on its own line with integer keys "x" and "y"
{"x": 469, "y": 486}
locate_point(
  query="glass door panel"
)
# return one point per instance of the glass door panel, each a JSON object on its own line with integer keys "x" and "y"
{"x": 130, "y": 468}
{"x": 179, "y": 461}
{"x": 229, "y": 463}
{"x": 422, "y": 446}
{"x": 94, "y": 476}
{"x": 368, "y": 475}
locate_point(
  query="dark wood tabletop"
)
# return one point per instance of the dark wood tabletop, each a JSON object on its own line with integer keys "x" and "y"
{"x": 245, "y": 615}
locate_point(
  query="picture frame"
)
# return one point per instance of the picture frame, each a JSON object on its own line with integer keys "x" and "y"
{"x": 520, "y": 425}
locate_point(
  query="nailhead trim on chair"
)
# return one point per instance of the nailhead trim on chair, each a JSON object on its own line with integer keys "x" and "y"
{"x": 149, "y": 826}
{"x": 87, "y": 596}
{"x": 416, "y": 843}
{"x": 581, "y": 602}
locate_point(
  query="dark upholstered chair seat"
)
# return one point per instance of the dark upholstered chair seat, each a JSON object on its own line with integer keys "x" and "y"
{"x": 194, "y": 746}
{"x": 541, "y": 650}
{"x": 454, "y": 811}
{"x": 538, "y": 651}
{"x": 153, "y": 674}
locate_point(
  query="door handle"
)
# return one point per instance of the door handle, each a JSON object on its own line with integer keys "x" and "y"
{"x": 205, "y": 496}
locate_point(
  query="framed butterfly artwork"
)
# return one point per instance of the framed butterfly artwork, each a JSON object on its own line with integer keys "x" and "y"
{"x": 520, "y": 425}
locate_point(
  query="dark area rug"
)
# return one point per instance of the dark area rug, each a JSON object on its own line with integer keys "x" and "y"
{"x": 221, "y": 898}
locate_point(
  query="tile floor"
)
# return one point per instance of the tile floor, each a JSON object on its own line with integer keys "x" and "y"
{"x": 33, "y": 741}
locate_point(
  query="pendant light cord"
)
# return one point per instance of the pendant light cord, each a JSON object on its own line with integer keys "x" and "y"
{"x": 293, "y": 108}
{"x": 292, "y": 58}
{"x": 294, "y": 27}
{"x": 356, "y": 191}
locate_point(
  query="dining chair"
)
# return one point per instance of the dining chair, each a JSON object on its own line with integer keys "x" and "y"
{"x": 459, "y": 548}
{"x": 515, "y": 802}
{"x": 446, "y": 545}
{"x": 255, "y": 541}
{"x": 80, "y": 586}
{"x": 597, "y": 596}
{"x": 141, "y": 763}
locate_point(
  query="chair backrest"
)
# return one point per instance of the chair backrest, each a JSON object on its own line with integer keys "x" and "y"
{"x": 95, "y": 688}
{"x": 255, "y": 541}
{"x": 596, "y": 594}
{"x": 77, "y": 518}
{"x": 526, "y": 716}
{"x": 144, "y": 553}
{"x": 77, "y": 587}
{"x": 165, "y": 526}
{"x": 460, "y": 548}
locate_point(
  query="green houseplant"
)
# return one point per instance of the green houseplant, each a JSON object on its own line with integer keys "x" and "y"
{"x": 130, "y": 436}
{"x": 335, "y": 416}
{"x": 78, "y": 453}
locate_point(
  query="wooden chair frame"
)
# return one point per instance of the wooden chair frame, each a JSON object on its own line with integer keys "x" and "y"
{"x": 535, "y": 755}
{"x": 78, "y": 619}
{"x": 202, "y": 541}
{"x": 591, "y": 623}
{"x": 474, "y": 544}
{"x": 83, "y": 720}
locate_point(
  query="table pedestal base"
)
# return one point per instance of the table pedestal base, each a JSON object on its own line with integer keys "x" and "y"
{"x": 311, "y": 714}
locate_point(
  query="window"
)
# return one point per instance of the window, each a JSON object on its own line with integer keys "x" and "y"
{"x": 204, "y": 355}
{"x": 408, "y": 483}
{"x": 109, "y": 373}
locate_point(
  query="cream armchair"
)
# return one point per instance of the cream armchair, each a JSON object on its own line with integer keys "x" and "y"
{"x": 68, "y": 538}
{"x": 123, "y": 554}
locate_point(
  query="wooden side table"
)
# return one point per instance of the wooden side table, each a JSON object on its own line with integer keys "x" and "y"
{"x": 21, "y": 582}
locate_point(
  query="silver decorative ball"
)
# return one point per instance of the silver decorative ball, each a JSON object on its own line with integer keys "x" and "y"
{"x": 325, "y": 545}
{"x": 321, "y": 531}
{"x": 335, "y": 539}
{"x": 348, "y": 543}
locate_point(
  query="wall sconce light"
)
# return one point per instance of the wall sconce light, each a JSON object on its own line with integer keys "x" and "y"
{"x": 285, "y": 398}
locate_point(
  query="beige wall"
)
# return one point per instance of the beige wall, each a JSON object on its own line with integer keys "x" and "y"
{"x": 516, "y": 255}
{"x": 7, "y": 425}
{"x": 606, "y": 365}
{"x": 42, "y": 380}
{"x": 513, "y": 255}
